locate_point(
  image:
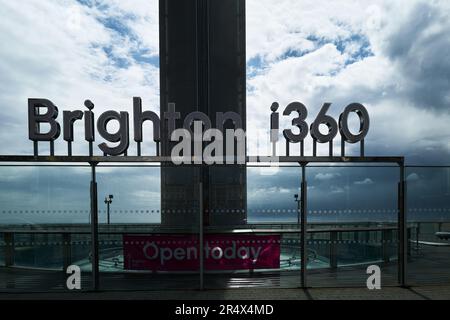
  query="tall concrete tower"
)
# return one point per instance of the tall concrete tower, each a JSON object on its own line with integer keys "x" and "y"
{"x": 202, "y": 68}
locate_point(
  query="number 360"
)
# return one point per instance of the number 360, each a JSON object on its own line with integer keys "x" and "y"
{"x": 322, "y": 118}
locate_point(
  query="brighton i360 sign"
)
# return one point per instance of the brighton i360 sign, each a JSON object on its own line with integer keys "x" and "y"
{"x": 184, "y": 136}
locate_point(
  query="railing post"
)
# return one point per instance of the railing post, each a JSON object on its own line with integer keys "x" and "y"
{"x": 333, "y": 249}
{"x": 385, "y": 240}
{"x": 94, "y": 229}
{"x": 9, "y": 249}
{"x": 367, "y": 237}
{"x": 408, "y": 243}
{"x": 67, "y": 250}
{"x": 402, "y": 233}
{"x": 303, "y": 229}
{"x": 417, "y": 235}
{"x": 201, "y": 253}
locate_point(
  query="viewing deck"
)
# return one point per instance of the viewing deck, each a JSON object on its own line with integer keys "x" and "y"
{"x": 330, "y": 262}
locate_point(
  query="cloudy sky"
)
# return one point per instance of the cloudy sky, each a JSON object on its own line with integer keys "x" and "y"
{"x": 391, "y": 56}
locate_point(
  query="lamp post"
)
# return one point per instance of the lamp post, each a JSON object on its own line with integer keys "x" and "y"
{"x": 108, "y": 201}
{"x": 298, "y": 207}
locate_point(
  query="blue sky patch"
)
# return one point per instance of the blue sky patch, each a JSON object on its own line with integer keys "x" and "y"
{"x": 118, "y": 62}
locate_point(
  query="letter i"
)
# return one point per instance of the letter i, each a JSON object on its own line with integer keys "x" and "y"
{"x": 89, "y": 125}
{"x": 274, "y": 127}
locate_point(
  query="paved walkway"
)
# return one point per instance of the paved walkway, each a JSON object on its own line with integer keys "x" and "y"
{"x": 387, "y": 293}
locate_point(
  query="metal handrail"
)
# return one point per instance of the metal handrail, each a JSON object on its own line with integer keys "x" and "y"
{"x": 206, "y": 230}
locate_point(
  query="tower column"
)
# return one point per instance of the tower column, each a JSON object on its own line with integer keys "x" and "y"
{"x": 202, "y": 68}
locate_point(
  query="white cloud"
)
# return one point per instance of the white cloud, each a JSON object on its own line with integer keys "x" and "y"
{"x": 326, "y": 176}
{"x": 335, "y": 190}
{"x": 412, "y": 177}
{"x": 392, "y": 57}
{"x": 366, "y": 181}
{"x": 61, "y": 56}
{"x": 286, "y": 24}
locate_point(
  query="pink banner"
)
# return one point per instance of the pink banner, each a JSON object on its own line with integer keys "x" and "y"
{"x": 181, "y": 252}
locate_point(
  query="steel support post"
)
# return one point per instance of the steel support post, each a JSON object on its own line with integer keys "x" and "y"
{"x": 386, "y": 239}
{"x": 402, "y": 233}
{"x": 9, "y": 249}
{"x": 201, "y": 253}
{"x": 303, "y": 230}
{"x": 66, "y": 250}
{"x": 333, "y": 249}
{"x": 94, "y": 229}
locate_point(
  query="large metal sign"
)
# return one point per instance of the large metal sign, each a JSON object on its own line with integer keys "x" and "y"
{"x": 203, "y": 136}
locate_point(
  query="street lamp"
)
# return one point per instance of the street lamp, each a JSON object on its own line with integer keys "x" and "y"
{"x": 298, "y": 207}
{"x": 108, "y": 201}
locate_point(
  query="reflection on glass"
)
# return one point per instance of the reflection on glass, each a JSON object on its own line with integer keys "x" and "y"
{"x": 136, "y": 195}
{"x": 41, "y": 210}
{"x": 352, "y": 223}
{"x": 428, "y": 209}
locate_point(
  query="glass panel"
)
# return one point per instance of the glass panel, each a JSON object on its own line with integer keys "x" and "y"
{"x": 40, "y": 207}
{"x": 341, "y": 258}
{"x": 38, "y": 251}
{"x": 252, "y": 260}
{"x": 132, "y": 194}
{"x": 270, "y": 206}
{"x": 352, "y": 222}
{"x": 143, "y": 246}
{"x": 270, "y": 195}
{"x": 428, "y": 205}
